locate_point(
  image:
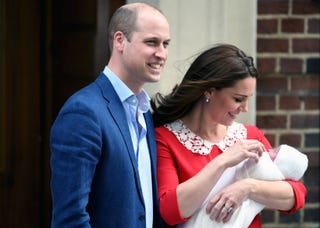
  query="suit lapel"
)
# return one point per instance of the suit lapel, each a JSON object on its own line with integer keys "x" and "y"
{"x": 153, "y": 155}
{"x": 115, "y": 108}
{"x": 151, "y": 141}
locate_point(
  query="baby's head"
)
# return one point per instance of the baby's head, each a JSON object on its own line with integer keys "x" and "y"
{"x": 288, "y": 163}
{"x": 273, "y": 152}
{"x": 291, "y": 162}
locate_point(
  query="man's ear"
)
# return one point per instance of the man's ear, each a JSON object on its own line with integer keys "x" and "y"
{"x": 118, "y": 41}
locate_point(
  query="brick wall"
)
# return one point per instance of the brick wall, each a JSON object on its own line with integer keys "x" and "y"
{"x": 288, "y": 60}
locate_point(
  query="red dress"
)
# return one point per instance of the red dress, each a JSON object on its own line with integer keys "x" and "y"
{"x": 182, "y": 154}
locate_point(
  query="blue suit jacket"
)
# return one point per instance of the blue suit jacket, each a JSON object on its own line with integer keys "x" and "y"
{"x": 95, "y": 180}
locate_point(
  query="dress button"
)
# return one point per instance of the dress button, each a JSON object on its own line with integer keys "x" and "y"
{"x": 142, "y": 217}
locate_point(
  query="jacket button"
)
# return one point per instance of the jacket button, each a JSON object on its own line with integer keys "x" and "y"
{"x": 142, "y": 217}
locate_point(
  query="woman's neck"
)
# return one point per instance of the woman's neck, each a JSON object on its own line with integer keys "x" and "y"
{"x": 203, "y": 127}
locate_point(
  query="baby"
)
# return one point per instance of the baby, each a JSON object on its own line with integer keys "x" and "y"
{"x": 288, "y": 163}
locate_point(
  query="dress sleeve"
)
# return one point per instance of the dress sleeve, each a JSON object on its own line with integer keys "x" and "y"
{"x": 167, "y": 179}
{"x": 300, "y": 193}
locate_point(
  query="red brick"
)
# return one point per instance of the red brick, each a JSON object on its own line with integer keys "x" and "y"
{"x": 305, "y": 83}
{"x": 291, "y": 66}
{"x": 314, "y": 26}
{"x": 313, "y": 158}
{"x": 272, "y": 45}
{"x": 310, "y": 45}
{"x": 266, "y": 102}
{"x": 266, "y": 65}
{"x": 273, "y": 7}
{"x": 267, "y": 26}
{"x": 312, "y": 102}
{"x": 272, "y": 121}
{"x": 305, "y": 7}
{"x": 291, "y": 139}
{"x": 305, "y": 121}
{"x": 272, "y": 84}
{"x": 292, "y": 25}
{"x": 271, "y": 138}
{"x": 289, "y": 102}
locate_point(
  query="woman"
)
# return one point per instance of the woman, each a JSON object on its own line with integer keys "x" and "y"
{"x": 198, "y": 139}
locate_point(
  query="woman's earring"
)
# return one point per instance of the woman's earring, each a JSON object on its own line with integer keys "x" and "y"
{"x": 207, "y": 99}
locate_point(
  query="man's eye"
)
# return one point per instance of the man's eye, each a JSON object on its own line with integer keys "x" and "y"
{"x": 238, "y": 100}
{"x": 151, "y": 42}
{"x": 165, "y": 44}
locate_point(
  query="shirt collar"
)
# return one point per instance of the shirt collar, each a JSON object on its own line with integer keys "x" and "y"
{"x": 125, "y": 94}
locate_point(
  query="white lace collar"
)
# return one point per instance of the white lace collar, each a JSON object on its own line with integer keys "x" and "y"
{"x": 196, "y": 144}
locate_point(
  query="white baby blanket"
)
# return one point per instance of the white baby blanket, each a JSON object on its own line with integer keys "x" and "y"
{"x": 288, "y": 164}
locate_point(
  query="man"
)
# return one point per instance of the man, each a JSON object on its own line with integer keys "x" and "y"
{"x": 102, "y": 143}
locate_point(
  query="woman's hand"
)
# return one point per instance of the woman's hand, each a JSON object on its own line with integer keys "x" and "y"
{"x": 242, "y": 150}
{"x": 225, "y": 202}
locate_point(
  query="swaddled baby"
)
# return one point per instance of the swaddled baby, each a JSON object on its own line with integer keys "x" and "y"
{"x": 289, "y": 163}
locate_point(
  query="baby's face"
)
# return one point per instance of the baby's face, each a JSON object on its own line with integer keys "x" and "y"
{"x": 273, "y": 152}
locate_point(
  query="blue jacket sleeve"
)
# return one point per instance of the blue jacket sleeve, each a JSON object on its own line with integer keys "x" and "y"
{"x": 75, "y": 149}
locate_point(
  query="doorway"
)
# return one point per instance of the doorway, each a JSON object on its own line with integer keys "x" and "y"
{"x": 49, "y": 49}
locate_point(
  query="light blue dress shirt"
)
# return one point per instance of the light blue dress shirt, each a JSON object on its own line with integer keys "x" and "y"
{"x": 135, "y": 107}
